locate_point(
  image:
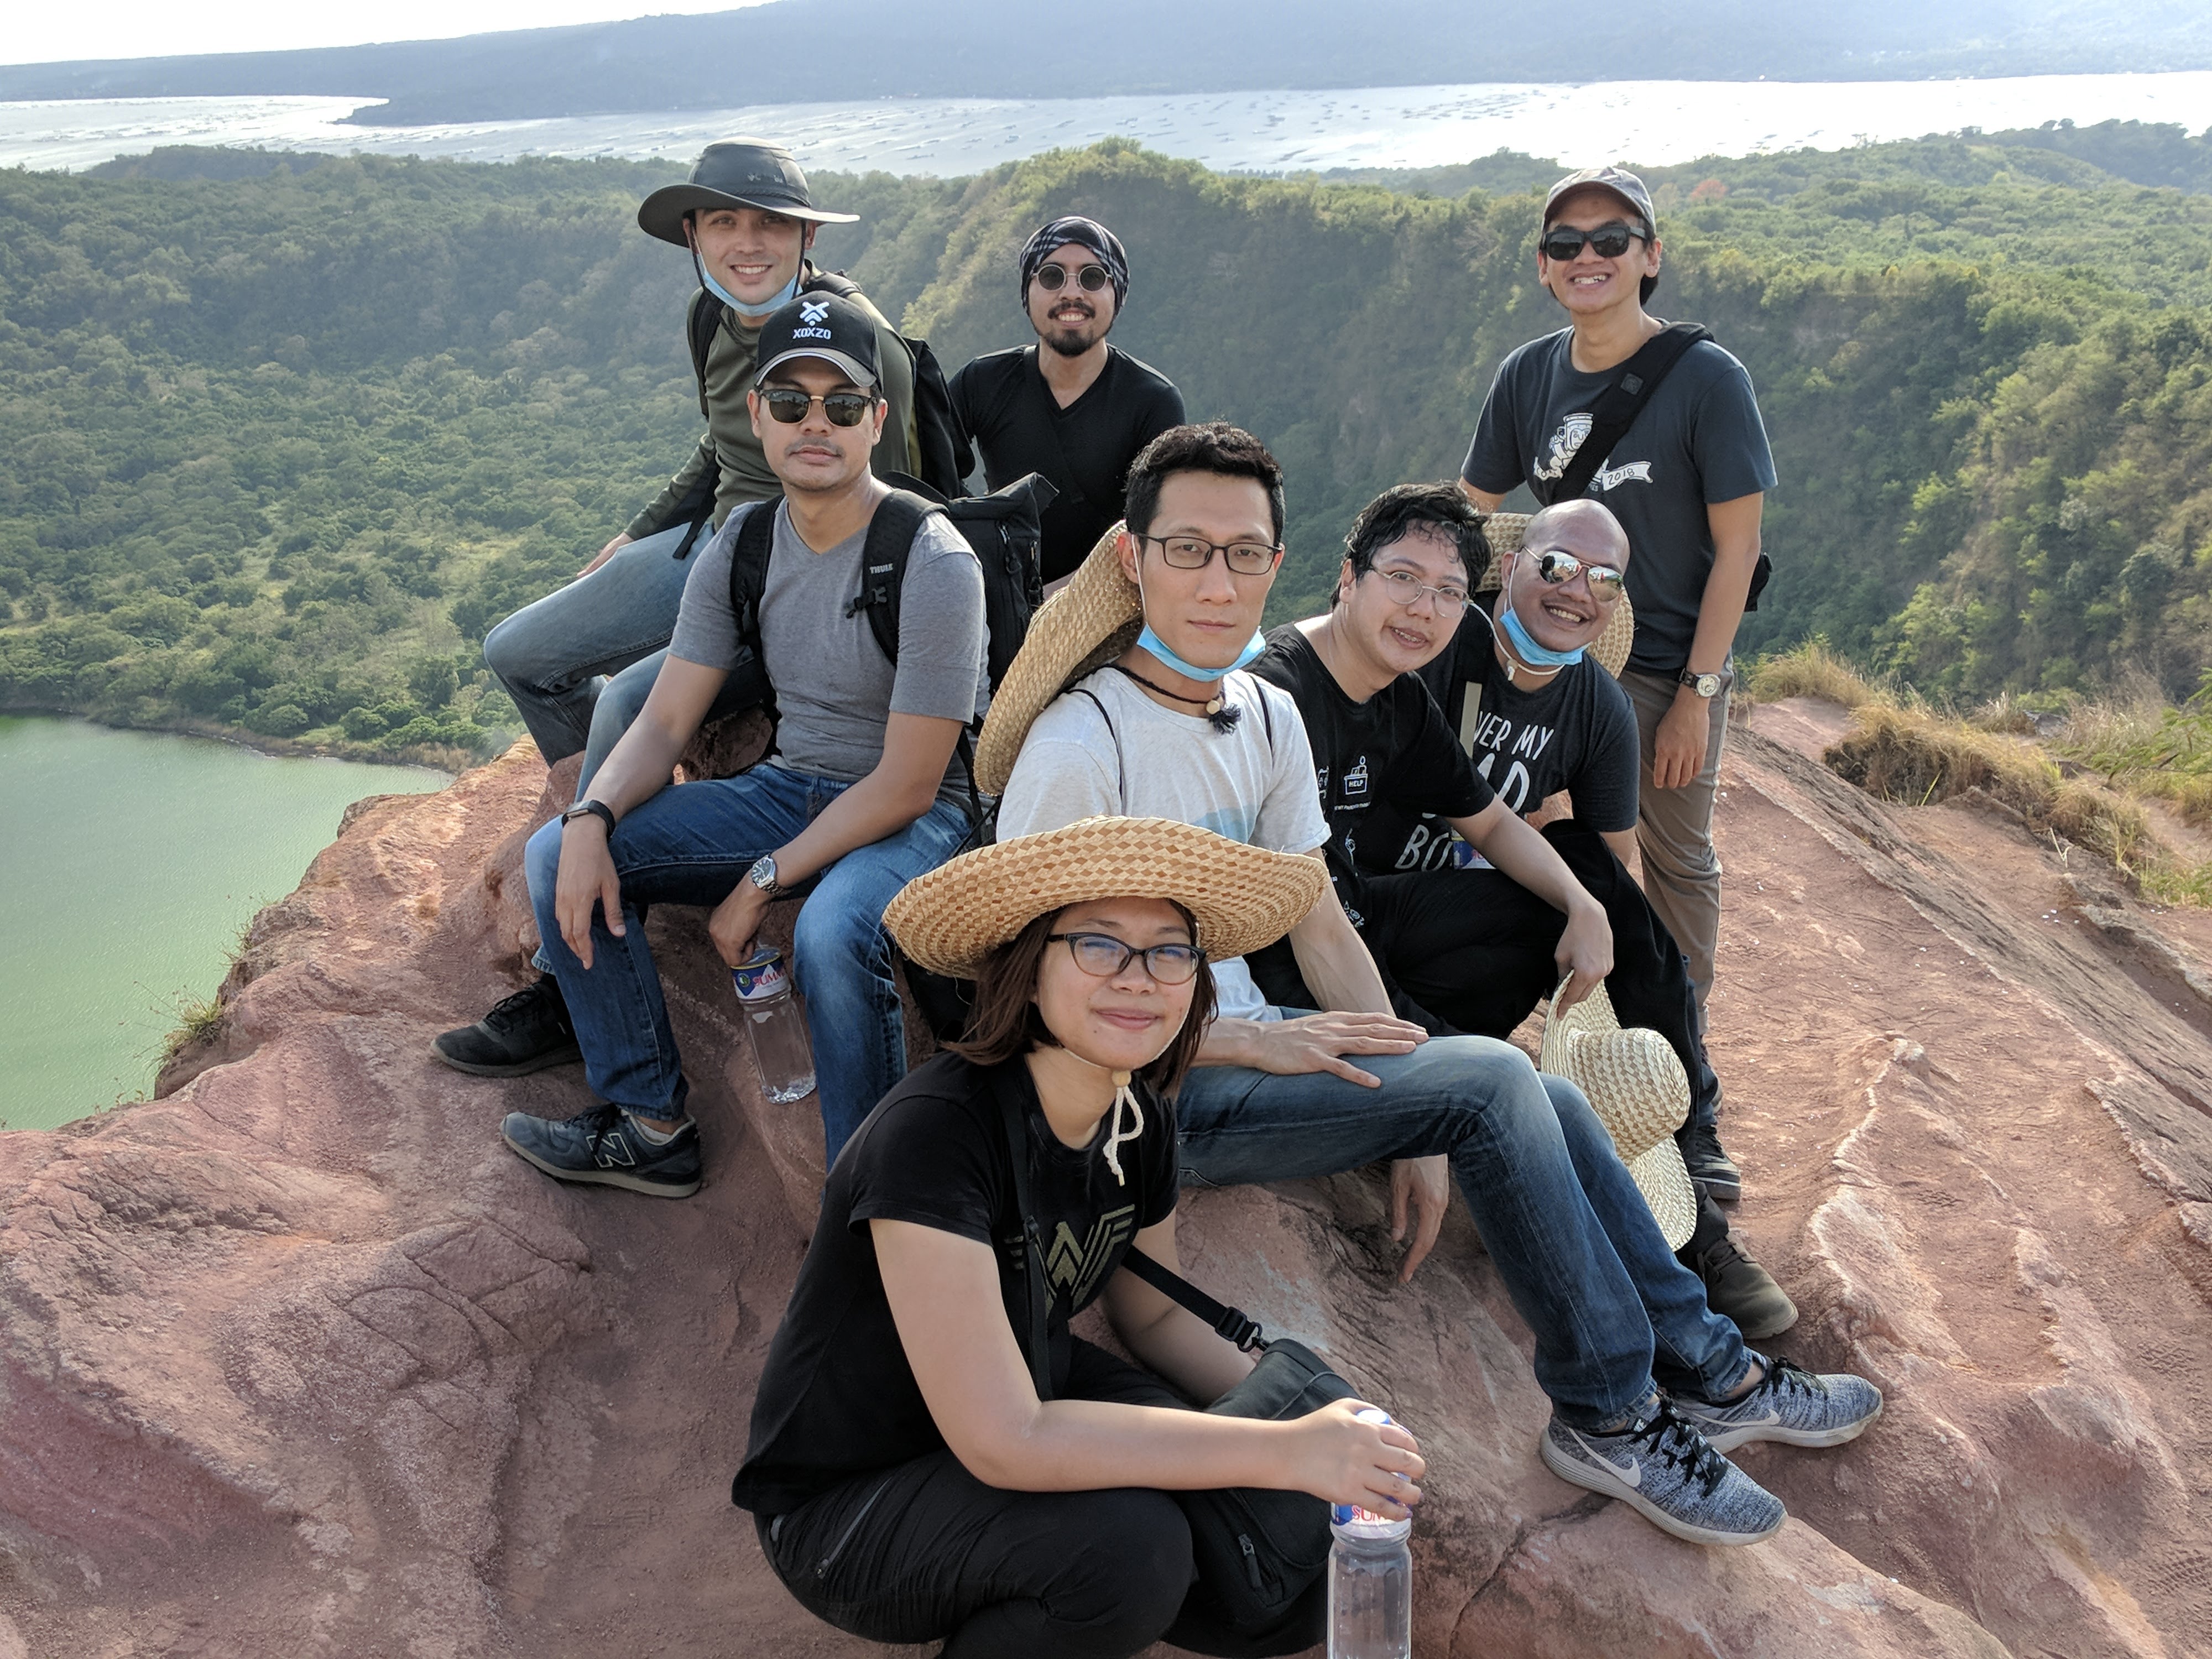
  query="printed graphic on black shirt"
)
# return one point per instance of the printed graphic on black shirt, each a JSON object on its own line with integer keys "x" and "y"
{"x": 1492, "y": 733}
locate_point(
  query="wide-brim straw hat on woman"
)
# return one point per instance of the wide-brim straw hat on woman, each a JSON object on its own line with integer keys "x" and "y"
{"x": 1635, "y": 1085}
{"x": 1503, "y": 531}
{"x": 1087, "y": 624}
{"x": 1241, "y": 898}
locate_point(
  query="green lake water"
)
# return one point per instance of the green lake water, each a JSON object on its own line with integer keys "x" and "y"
{"x": 132, "y": 859}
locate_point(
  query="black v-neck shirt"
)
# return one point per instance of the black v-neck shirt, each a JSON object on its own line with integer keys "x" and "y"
{"x": 837, "y": 1399}
{"x": 1011, "y": 416}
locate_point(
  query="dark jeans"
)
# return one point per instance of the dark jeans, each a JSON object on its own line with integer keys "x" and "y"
{"x": 1471, "y": 951}
{"x": 926, "y": 1553}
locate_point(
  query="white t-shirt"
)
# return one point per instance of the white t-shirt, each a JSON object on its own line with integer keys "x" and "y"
{"x": 1117, "y": 751}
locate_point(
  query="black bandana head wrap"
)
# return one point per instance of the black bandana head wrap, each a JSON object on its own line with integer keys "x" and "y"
{"x": 1090, "y": 234}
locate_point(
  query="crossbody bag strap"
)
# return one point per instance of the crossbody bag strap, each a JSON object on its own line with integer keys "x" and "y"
{"x": 1615, "y": 409}
{"x": 1039, "y": 1345}
{"x": 1230, "y": 1324}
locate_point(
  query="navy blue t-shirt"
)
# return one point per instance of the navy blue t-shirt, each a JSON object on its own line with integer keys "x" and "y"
{"x": 1698, "y": 440}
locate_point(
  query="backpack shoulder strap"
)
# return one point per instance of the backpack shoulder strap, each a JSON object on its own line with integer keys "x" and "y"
{"x": 1120, "y": 765}
{"x": 700, "y": 323}
{"x": 830, "y": 281}
{"x": 749, "y": 556}
{"x": 1038, "y": 1348}
{"x": 1230, "y": 1324}
{"x": 883, "y": 564}
{"x": 1617, "y": 407}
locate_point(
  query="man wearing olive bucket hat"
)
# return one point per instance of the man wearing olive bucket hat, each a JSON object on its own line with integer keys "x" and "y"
{"x": 746, "y": 218}
{"x": 1129, "y": 698}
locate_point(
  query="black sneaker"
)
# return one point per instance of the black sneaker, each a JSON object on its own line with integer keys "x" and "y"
{"x": 1738, "y": 1288}
{"x": 1713, "y": 1170}
{"x": 605, "y": 1146}
{"x": 526, "y": 1032}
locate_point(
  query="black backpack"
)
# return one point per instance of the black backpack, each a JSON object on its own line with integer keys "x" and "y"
{"x": 937, "y": 432}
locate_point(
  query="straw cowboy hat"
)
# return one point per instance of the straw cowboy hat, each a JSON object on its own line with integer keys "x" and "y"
{"x": 1635, "y": 1085}
{"x": 1503, "y": 531}
{"x": 1081, "y": 628}
{"x": 1241, "y": 898}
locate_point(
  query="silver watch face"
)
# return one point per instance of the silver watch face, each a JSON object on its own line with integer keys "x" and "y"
{"x": 764, "y": 874}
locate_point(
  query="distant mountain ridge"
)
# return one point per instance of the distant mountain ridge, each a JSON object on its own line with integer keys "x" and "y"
{"x": 807, "y": 51}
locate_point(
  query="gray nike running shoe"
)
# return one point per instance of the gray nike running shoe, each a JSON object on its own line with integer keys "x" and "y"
{"x": 1791, "y": 1405}
{"x": 1662, "y": 1469}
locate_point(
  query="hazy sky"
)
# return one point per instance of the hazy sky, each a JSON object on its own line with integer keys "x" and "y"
{"x": 161, "y": 29}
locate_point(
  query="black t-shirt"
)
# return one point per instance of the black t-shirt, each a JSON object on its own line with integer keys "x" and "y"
{"x": 837, "y": 1397}
{"x": 1382, "y": 764}
{"x": 1009, "y": 413}
{"x": 1577, "y": 732}
{"x": 1698, "y": 441}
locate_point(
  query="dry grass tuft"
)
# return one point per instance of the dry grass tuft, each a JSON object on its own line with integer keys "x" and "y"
{"x": 199, "y": 1023}
{"x": 1810, "y": 670}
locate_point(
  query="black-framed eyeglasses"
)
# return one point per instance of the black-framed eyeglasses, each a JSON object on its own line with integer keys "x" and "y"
{"x": 1564, "y": 242}
{"x": 1190, "y": 553}
{"x": 1090, "y": 278}
{"x": 1559, "y": 566}
{"x": 1103, "y": 957}
{"x": 1405, "y": 588}
{"x": 788, "y": 405}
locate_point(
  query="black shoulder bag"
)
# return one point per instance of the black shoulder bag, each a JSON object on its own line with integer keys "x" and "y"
{"x": 1257, "y": 1550}
{"x": 1615, "y": 410}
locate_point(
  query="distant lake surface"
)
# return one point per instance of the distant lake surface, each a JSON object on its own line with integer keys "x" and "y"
{"x": 1656, "y": 122}
{"x": 133, "y": 858}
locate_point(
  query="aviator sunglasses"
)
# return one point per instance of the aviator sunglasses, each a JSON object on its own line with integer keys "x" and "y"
{"x": 1557, "y": 567}
{"x": 789, "y": 405}
{"x": 1052, "y": 278}
{"x": 1564, "y": 242}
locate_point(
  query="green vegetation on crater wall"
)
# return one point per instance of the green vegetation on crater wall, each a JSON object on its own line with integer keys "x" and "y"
{"x": 276, "y": 449}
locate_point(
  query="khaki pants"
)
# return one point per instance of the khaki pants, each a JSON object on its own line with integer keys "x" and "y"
{"x": 1675, "y": 832}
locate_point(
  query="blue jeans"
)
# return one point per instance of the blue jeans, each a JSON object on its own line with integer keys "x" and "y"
{"x": 1574, "y": 1241}
{"x": 550, "y": 656}
{"x": 691, "y": 844}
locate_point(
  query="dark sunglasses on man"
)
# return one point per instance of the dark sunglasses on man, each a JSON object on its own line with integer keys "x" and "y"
{"x": 1091, "y": 278}
{"x": 1564, "y": 242}
{"x": 1557, "y": 567}
{"x": 788, "y": 405}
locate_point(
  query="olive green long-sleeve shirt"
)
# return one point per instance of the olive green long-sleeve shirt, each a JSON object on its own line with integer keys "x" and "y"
{"x": 729, "y": 456}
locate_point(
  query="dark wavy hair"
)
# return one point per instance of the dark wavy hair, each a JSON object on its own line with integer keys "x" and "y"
{"x": 1005, "y": 1022}
{"x": 1213, "y": 446}
{"x": 1441, "y": 507}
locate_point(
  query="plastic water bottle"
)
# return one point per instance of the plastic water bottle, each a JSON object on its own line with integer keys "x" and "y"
{"x": 781, "y": 1053}
{"x": 1370, "y": 1581}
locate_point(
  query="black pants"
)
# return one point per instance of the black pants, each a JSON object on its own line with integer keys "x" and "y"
{"x": 1471, "y": 951}
{"x": 925, "y": 1552}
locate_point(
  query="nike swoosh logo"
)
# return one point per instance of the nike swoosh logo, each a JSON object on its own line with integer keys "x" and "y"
{"x": 1769, "y": 1420}
{"x": 1633, "y": 1474}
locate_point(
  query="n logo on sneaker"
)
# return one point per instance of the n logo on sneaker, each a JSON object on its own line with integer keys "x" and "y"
{"x": 612, "y": 1149}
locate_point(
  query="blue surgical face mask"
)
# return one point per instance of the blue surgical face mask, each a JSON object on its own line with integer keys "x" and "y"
{"x": 1153, "y": 643}
{"x": 1524, "y": 643}
{"x": 752, "y": 313}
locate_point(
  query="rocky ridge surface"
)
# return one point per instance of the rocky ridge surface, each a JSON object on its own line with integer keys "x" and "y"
{"x": 299, "y": 1359}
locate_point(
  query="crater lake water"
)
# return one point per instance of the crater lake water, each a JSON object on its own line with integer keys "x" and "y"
{"x": 134, "y": 860}
{"x": 1289, "y": 129}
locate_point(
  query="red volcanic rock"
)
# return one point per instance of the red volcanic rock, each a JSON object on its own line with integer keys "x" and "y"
{"x": 299, "y": 1359}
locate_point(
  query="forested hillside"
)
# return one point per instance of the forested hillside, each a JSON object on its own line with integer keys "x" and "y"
{"x": 277, "y": 446}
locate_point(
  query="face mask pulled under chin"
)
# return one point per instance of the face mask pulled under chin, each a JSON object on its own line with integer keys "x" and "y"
{"x": 1525, "y": 644}
{"x": 752, "y": 313}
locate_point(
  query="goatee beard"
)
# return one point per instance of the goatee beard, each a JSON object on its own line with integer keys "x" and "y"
{"x": 1068, "y": 343}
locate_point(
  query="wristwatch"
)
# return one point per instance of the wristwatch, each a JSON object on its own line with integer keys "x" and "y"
{"x": 763, "y": 876}
{"x": 1707, "y": 685}
{"x": 596, "y": 809}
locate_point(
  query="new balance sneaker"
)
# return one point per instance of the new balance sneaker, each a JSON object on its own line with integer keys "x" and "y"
{"x": 1662, "y": 1469}
{"x": 1789, "y": 1404}
{"x": 525, "y": 1033}
{"x": 606, "y": 1145}
{"x": 1712, "y": 1169}
{"x": 1738, "y": 1288}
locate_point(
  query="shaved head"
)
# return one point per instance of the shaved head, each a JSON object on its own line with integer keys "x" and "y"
{"x": 1584, "y": 528}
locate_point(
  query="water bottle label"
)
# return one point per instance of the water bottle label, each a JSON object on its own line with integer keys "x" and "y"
{"x": 760, "y": 978}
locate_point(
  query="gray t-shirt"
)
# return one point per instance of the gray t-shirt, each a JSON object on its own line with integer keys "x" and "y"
{"x": 1698, "y": 440}
{"x": 834, "y": 691}
{"x": 1123, "y": 754}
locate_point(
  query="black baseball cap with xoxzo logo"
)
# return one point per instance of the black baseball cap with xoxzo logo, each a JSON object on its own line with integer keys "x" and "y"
{"x": 824, "y": 326}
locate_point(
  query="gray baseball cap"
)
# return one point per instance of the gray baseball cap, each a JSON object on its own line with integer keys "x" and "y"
{"x": 1619, "y": 181}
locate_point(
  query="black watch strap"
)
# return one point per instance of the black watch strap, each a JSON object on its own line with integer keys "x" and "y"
{"x": 597, "y": 808}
